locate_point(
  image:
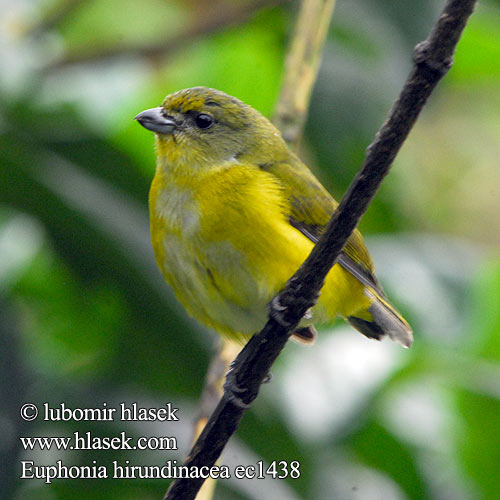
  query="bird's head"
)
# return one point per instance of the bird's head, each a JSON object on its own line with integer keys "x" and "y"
{"x": 202, "y": 127}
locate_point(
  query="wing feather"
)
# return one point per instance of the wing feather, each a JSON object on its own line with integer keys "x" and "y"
{"x": 310, "y": 209}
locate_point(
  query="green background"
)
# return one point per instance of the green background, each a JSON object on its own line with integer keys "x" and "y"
{"x": 85, "y": 317}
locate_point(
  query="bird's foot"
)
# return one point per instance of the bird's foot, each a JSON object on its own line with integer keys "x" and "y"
{"x": 232, "y": 391}
{"x": 277, "y": 311}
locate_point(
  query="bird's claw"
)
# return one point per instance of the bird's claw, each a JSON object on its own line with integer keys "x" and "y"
{"x": 276, "y": 310}
{"x": 232, "y": 390}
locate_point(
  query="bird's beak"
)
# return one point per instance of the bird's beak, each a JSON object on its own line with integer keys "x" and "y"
{"x": 154, "y": 119}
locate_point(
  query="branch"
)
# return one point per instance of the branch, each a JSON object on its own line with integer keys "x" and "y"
{"x": 214, "y": 20}
{"x": 301, "y": 68}
{"x": 432, "y": 60}
{"x": 213, "y": 388}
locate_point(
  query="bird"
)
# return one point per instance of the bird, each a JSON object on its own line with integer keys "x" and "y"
{"x": 233, "y": 214}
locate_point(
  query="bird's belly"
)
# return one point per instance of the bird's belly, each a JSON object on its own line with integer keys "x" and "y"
{"x": 214, "y": 283}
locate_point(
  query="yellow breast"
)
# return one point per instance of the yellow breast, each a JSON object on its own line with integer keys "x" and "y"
{"x": 223, "y": 242}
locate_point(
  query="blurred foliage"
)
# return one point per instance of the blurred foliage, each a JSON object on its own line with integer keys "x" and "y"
{"x": 85, "y": 317}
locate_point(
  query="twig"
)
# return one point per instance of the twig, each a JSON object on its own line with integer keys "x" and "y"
{"x": 214, "y": 20}
{"x": 212, "y": 389}
{"x": 301, "y": 68}
{"x": 432, "y": 60}
{"x": 226, "y": 350}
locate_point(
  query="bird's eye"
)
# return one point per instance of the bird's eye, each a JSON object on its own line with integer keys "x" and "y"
{"x": 204, "y": 121}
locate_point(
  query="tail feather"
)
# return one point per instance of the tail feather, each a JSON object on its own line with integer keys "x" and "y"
{"x": 367, "y": 328}
{"x": 386, "y": 320}
{"x": 305, "y": 335}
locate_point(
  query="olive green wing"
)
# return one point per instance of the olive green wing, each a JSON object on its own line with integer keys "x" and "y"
{"x": 311, "y": 207}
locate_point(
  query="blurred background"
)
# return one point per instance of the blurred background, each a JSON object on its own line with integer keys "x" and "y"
{"x": 85, "y": 317}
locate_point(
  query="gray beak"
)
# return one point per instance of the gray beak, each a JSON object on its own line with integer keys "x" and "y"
{"x": 154, "y": 119}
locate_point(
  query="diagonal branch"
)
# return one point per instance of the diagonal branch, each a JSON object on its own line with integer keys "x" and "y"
{"x": 432, "y": 59}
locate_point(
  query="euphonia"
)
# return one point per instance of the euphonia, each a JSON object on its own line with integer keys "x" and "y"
{"x": 234, "y": 213}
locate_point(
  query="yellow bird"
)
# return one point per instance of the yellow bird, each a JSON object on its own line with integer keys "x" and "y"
{"x": 234, "y": 213}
